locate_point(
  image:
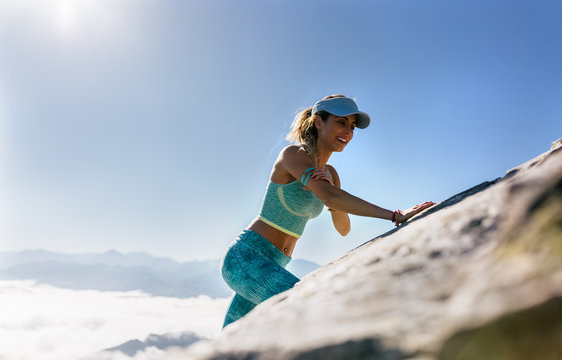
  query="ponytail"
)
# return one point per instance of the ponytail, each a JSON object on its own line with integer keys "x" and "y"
{"x": 304, "y": 132}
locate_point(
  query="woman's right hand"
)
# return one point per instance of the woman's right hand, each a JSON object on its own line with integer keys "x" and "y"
{"x": 404, "y": 215}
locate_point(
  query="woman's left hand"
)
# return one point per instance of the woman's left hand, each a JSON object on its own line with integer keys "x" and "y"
{"x": 321, "y": 174}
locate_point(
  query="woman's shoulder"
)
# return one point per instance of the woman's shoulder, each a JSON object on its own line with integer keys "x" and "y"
{"x": 292, "y": 151}
{"x": 280, "y": 173}
{"x": 293, "y": 159}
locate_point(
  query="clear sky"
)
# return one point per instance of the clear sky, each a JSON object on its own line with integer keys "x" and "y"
{"x": 152, "y": 125}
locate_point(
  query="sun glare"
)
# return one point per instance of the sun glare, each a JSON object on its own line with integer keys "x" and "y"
{"x": 74, "y": 18}
{"x": 66, "y": 16}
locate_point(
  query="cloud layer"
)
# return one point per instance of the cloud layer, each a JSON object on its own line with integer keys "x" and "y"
{"x": 41, "y": 321}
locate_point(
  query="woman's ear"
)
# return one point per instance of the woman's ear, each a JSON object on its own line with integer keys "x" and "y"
{"x": 318, "y": 122}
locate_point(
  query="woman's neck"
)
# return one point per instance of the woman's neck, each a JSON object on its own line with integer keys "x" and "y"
{"x": 322, "y": 156}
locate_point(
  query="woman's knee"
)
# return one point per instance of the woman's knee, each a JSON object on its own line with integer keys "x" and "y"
{"x": 254, "y": 276}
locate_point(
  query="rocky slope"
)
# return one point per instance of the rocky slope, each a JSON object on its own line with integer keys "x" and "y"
{"x": 479, "y": 276}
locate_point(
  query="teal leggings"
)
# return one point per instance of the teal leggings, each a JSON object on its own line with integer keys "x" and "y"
{"x": 255, "y": 269}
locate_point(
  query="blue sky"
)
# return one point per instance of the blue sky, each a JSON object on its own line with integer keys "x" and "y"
{"x": 152, "y": 125}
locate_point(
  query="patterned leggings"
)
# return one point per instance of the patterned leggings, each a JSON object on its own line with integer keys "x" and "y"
{"x": 255, "y": 269}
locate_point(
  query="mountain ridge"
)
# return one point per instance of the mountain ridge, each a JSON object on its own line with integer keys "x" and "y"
{"x": 161, "y": 342}
{"x": 116, "y": 271}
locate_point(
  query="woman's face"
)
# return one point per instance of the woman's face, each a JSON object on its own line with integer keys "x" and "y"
{"x": 337, "y": 131}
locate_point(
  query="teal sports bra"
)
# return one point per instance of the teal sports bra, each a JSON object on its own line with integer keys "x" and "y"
{"x": 287, "y": 207}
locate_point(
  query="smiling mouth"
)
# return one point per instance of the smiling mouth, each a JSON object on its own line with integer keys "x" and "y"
{"x": 342, "y": 140}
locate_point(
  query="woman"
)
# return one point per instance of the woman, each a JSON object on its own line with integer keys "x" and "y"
{"x": 301, "y": 183}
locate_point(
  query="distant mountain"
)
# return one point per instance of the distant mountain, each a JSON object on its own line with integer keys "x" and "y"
{"x": 300, "y": 268}
{"x": 162, "y": 342}
{"x": 111, "y": 257}
{"x": 115, "y": 271}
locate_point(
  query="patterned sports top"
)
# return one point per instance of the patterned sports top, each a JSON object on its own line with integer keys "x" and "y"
{"x": 288, "y": 207}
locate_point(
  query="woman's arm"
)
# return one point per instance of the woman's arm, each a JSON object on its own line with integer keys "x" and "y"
{"x": 296, "y": 161}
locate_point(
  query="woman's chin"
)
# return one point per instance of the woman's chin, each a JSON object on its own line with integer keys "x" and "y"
{"x": 340, "y": 147}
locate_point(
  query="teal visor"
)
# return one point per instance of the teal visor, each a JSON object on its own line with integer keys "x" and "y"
{"x": 342, "y": 106}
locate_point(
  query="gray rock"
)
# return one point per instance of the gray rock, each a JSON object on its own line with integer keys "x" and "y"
{"x": 478, "y": 276}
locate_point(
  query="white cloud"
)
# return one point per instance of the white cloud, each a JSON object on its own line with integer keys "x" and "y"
{"x": 150, "y": 353}
{"x": 41, "y": 321}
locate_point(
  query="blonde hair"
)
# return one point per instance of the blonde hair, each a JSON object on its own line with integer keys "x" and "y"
{"x": 304, "y": 132}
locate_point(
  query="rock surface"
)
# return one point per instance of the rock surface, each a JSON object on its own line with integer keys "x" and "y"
{"x": 478, "y": 276}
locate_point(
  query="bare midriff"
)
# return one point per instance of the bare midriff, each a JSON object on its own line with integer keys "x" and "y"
{"x": 284, "y": 242}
